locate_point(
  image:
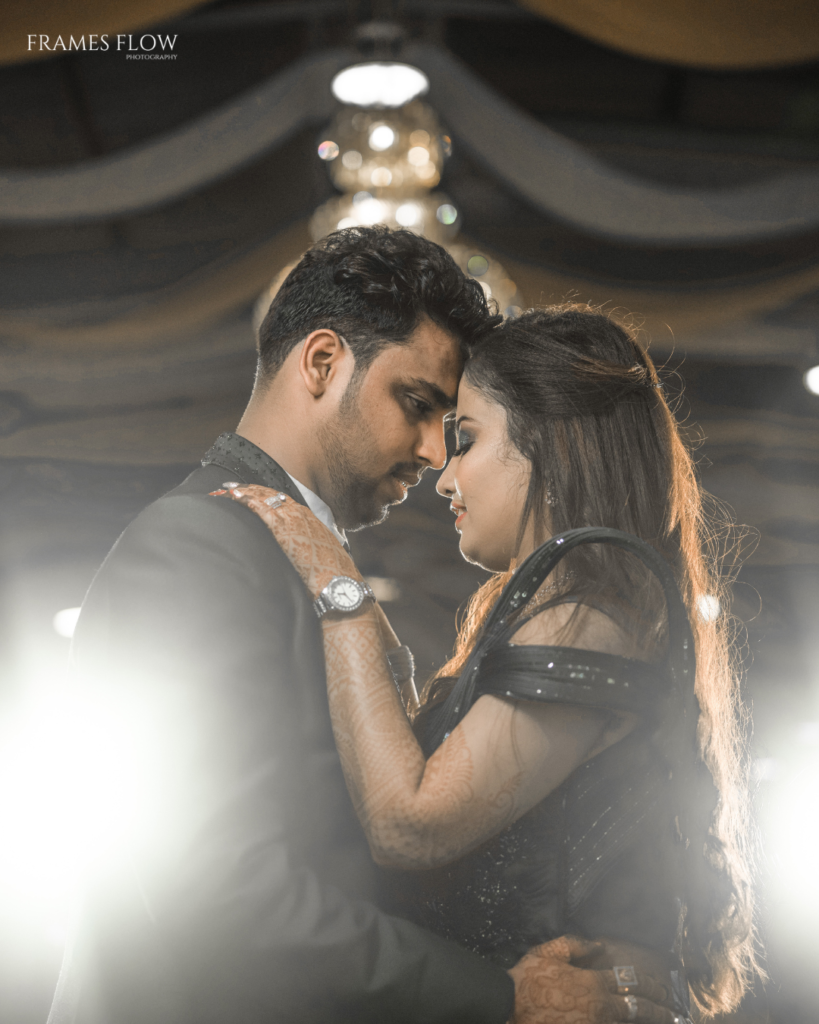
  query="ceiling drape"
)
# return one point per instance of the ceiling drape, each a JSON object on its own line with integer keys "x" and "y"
{"x": 718, "y": 34}
{"x": 554, "y": 174}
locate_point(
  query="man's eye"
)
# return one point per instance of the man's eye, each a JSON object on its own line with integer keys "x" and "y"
{"x": 419, "y": 404}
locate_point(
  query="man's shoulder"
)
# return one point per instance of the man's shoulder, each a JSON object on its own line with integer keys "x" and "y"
{"x": 191, "y": 519}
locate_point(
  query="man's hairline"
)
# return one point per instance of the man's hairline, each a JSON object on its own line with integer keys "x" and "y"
{"x": 265, "y": 380}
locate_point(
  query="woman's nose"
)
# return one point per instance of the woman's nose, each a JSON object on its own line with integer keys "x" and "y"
{"x": 446, "y": 482}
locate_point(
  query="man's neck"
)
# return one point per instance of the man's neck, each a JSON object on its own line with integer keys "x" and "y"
{"x": 279, "y": 437}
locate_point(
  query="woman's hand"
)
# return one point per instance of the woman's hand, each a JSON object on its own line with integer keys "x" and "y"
{"x": 314, "y": 551}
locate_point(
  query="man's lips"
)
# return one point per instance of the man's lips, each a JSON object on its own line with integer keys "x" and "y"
{"x": 410, "y": 479}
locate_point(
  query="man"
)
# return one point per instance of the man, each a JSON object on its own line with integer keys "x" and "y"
{"x": 242, "y": 891}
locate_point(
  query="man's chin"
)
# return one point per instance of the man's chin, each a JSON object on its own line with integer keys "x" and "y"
{"x": 367, "y": 513}
{"x": 365, "y": 519}
{"x": 375, "y": 508}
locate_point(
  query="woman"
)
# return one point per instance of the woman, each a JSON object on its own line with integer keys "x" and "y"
{"x": 532, "y": 800}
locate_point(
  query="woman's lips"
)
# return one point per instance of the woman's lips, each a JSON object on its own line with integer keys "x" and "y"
{"x": 460, "y": 512}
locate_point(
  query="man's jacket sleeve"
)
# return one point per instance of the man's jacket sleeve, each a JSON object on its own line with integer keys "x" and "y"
{"x": 196, "y": 637}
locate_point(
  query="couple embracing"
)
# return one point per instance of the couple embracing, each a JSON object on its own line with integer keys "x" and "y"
{"x": 549, "y": 831}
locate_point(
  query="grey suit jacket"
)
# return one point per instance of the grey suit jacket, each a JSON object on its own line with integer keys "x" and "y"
{"x": 244, "y": 894}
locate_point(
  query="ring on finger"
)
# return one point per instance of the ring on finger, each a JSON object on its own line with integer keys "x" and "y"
{"x": 631, "y": 1007}
{"x": 626, "y": 979}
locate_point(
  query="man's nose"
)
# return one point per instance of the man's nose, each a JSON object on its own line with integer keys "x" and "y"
{"x": 432, "y": 449}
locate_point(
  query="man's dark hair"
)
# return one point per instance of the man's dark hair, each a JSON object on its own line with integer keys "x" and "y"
{"x": 373, "y": 286}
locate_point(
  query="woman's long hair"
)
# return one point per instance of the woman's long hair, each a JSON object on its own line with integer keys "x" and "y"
{"x": 585, "y": 407}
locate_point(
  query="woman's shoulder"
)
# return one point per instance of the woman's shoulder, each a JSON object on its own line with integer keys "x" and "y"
{"x": 581, "y": 625}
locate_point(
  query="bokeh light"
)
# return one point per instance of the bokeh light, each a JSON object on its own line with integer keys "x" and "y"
{"x": 65, "y": 621}
{"x": 328, "y": 150}
{"x": 381, "y": 137}
{"x": 708, "y": 607}
{"x": 477, "y": 265}
{"x": 811, "y": 379}
{"x": 398, "y": 151}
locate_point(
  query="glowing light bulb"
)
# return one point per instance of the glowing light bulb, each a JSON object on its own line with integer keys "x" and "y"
{"x": 379, "y": 84}
{"x": 381, "y": 137}
{"x": 370, "y": 211}
{"x": 408, "y": 214}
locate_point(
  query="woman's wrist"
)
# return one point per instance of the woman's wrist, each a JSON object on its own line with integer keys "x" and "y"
{"x": 317, "y": 579}
{"x": 366, "y": 613}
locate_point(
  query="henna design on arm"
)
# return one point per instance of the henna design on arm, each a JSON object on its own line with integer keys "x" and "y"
{"x": 497, "y": 763}
{"x": 549, "y": 989}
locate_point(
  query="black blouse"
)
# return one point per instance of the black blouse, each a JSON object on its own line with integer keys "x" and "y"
{"x": 602, "y": 854}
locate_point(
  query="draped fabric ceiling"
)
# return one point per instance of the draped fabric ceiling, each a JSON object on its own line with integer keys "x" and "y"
{"x": 695, "y": 33}
{"x": 540, "y": 170}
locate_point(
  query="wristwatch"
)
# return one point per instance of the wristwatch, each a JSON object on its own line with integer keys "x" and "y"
{"x": 342, "y": 594}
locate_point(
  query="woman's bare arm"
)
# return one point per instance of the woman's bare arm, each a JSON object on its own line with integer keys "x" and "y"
{"x": 500, "y": 761}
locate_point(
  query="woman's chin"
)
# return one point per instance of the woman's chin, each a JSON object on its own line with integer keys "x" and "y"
{"x": 481, "y": 555}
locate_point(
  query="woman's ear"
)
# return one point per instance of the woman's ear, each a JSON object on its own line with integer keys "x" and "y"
{"x": 320, "y": 361}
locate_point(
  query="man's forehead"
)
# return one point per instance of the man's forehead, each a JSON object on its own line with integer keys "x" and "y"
{"x": 431, "y": 352}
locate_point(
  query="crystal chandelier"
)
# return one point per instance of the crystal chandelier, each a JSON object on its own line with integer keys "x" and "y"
{"x": 385, "y": 151}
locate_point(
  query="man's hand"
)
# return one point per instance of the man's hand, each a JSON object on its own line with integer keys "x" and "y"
{"x": 549, "y": 990}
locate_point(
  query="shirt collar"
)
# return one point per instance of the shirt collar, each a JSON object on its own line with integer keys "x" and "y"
{"x": 320, "y": 509}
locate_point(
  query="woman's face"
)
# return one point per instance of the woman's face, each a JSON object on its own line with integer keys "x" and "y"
{"x": 486, "y": 481}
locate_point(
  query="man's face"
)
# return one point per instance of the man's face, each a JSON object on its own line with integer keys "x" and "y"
{"x": 389, "y": 427}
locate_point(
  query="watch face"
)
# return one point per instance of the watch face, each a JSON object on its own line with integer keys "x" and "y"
{"x": 344, "y": 594}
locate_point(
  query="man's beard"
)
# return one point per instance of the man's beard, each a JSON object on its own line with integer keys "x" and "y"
{"x": 348, "y": 446}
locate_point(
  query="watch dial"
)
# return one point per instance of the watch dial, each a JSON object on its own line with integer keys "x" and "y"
{"x": 345, "y": 595}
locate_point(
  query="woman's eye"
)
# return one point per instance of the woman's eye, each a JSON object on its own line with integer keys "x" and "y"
{"x": 463, "y": 445}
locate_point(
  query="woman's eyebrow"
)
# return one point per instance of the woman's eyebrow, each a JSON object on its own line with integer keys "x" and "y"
{"x": 461, "y": 419}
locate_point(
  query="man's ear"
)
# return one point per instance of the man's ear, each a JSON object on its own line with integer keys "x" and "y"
{"x": 320, "y": 361}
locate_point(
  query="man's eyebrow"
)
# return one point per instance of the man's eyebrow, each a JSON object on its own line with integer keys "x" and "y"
{"x": 437, "y": 397}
